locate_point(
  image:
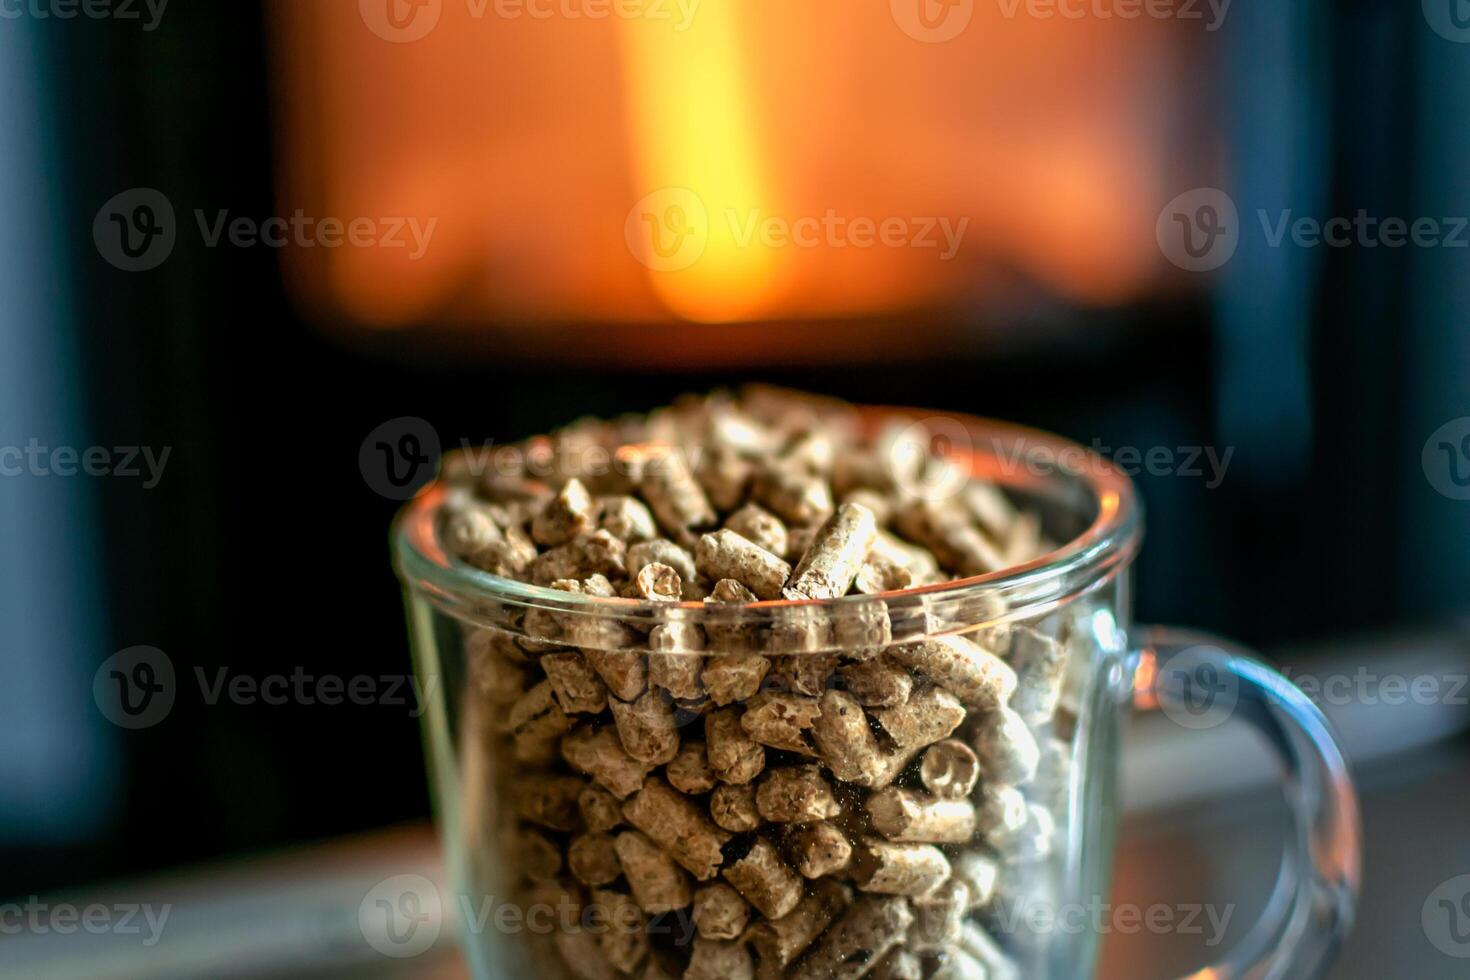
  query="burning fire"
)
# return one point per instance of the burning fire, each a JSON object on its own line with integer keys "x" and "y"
{"x": 600, "y": 162}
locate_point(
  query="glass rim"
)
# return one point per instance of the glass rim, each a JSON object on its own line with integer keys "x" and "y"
{"x": 1106, "y": 545}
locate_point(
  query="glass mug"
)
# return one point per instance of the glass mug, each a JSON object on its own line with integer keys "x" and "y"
{"x": 537, "y": 807}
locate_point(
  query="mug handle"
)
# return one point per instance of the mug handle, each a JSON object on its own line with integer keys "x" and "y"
{"x": 1311, "y": 909}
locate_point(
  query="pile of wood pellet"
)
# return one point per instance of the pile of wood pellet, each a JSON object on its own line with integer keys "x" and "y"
{"x": 735, "y": 810}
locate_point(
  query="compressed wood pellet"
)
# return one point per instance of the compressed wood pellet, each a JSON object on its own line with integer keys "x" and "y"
{"x": 733, "y": 755}
{"x": 904, "y": 815}
{"x": 678, "y": 826}
{"x": 596, "y": 552}
{"x": 719, "y": 911}
{"x": 625, "y": 673}
{"x": 989, "y": 507}
{"x": 597, "y": 752}
{"x": 627, "y": 519}
{"x": 1008, "y": 751}
{"x": 877, "y": 683}
{"x": 939, "y": 917}
{"x": 899, "y": 964}
{"x": 880, "y": 504}
{"x": 600, "y": 810}
{"x": 725, "y": 476}
{"x": 778, "y": 942}
{"x": 664, "y": 552}
{"x": 732, "y": 808}
{"x": 733, "y": 677}
{"x": 1023, "y": 540}
{"x": 949, "y": 769}
{"x": 818, "y": 849}
{"x": 763, "y": 878}
{"x": 835, "y": 555}
{"x": 979, "y": 944}
{"x": 845, "y": 742}
{"x": 468, "y": 531}
{"x": 813, "y": 451}
{"x": 863, "y": 632}
{"x": 673, "y": 494}
{"x": 978, "y": 871}
{"x": 662, "y": 965}
{"x": 497, "y": 679}
{"x": 725, "y": 554}
{"x": 802, "y": 673}
{"x": 879, "y": 573}
{"x": 1052, "y": 785}
{"x": 509, "y": 558}
{"x": 561, "y": 896}
{"x": 658, "y": 883}
{"x": 972, "y": 673}
{"x": 677, "y": 673}
{"x": 755, "y": 523}
{"x": 798, "y": 498}
{"x": 1030, "y": 842}
{"x": 578, "y": 688}
{"x": 537, "y": 722}
{"x": 948, "y": 533}
{"x": 929, "y": 715}
{"x": 1040, "y": 663}
{"x": 549, "y": 800}
{"x": 798, "y": 540}
{"x": 1000, "y": 811}
{"x": 782, "y": 721}
{"x": 593, "y": 859}
{"x": 960, "y": 965}
{"x": 566, "y": 515}
{"x": 795, "y": 794}
{"x": 734, "y": 637}
{"x": 624, "y": 941}
{"x": 538, "y": 858}
{"x": 690, "y": 771}
{"x": 872, "y": 926}
{"x": 658, "y": 582}
{"x": 583, "y": 955}
{"x": 647, "y": 727}
{"x": 717, "y": 960}
{"x": 891, "y": 868}
{"x": 807, "y": 630}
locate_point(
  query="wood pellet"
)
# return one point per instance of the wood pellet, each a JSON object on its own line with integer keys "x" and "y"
{"x": 746, "y": 776}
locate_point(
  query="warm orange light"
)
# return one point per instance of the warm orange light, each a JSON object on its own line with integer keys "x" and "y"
{"x": 568, "y": 151}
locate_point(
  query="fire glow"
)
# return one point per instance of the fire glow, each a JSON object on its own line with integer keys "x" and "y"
{"x": 568, "y": 157}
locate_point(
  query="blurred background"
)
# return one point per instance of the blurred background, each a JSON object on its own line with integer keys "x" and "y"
{"x": 236, "y": 240}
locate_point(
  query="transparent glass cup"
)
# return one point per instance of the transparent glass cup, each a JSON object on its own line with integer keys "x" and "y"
{"x": 569, "y": 858}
